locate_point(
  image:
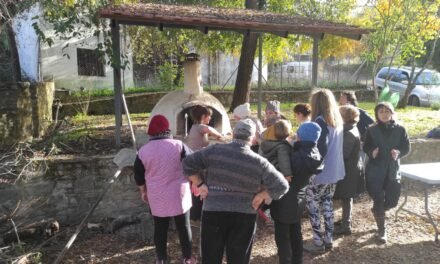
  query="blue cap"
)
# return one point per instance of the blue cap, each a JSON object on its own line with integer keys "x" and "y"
{"x": 309, "y": 131}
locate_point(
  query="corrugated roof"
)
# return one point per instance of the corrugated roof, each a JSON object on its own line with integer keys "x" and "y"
{"x": 211, "y": 18}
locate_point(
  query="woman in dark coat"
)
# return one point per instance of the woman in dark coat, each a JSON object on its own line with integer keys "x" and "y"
{"x": 346, "y": 189}
{"x": 385, "y": 143}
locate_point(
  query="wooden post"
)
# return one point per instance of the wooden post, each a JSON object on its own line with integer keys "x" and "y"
{"x": 260, "y": 72}
{"x": 117, "y": 85}
{"x": 315, "y": 61}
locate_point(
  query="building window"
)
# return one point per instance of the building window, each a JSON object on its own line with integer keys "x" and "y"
{"x": 90, "y": 62}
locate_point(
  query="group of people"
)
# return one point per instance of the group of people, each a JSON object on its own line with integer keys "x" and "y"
{"x": 264, "y": 166}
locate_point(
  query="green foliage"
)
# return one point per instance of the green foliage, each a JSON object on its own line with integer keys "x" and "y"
{"x": 401, "y": 28}
{"x": 130, "y": 90}
{"x": 10, "y": 8}
{"x": 218, "y": 88}
{"x": 436, "y": 58}
{"x": 167, "y": 74}
{"x": 435, "y": 106}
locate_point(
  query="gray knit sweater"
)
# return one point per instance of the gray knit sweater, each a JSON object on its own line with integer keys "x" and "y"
{"x": 234, "y": 175}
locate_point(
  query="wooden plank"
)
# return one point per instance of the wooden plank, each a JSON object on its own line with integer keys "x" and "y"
{"x": 315, "y": 60}
{"x": 117, "y": 85}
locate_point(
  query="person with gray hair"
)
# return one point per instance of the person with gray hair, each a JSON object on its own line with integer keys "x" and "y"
{"x": 231, "y": 190}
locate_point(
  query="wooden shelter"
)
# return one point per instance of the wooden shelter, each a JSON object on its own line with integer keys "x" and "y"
{"x": 203, "y": 18}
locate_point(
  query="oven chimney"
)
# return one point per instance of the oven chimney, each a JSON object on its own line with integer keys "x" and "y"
{"x": 192, "y": 74}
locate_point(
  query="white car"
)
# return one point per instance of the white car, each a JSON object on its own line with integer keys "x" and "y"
{"x": 426, "y": 92}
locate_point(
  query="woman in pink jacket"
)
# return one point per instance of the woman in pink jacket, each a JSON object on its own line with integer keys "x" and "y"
{"x": 159, "y": 175}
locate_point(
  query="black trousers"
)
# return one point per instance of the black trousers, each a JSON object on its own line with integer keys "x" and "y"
{"x": 230, "y": 230}
{"x": 183, "y": 227}
{"x": 196, "y": 208}
{"x": 385, "y": 196}
{"x": 288, "y": 238}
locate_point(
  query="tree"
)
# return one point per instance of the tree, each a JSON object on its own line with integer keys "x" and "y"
{"x": 246, "y": 64}
{"x": 383, "y": 41}
{"x": 277, "y": 48}
{"x": 425, "y": 26}
{"x": 400, "y": 29}
{"x": 435, "y": 62}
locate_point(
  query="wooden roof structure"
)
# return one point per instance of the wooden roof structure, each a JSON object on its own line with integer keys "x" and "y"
{"x": 244, "y": 21}
{"x": 225, "y": 19}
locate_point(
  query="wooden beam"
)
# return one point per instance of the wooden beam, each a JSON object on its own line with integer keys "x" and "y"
{"x": 281, "y": 34}
{"x": 117, "y": 85}
{"x": 204, "y": 30}
{"x": 260, "y": 73}
{"x": 240, "y": 24}
{"x": 350, "y": 36}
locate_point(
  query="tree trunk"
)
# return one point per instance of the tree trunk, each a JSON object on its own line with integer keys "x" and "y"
{"x": 376, "y": 92}
{"x": 244, "y": 73}
{"x": 242, "y": 88}
{"x": 403, "y": 102}
{"x": 15, "y": 60}
{"x": 178, "y": 78}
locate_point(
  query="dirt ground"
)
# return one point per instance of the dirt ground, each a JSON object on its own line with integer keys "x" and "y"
{"x": 411, "y": 240}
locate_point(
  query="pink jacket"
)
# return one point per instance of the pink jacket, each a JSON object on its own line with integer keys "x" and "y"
{"x": 168, "y": 189}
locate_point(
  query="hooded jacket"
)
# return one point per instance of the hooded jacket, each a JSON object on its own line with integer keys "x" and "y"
{"x": 277, "y": 152}
{"x": 305, "y": 161}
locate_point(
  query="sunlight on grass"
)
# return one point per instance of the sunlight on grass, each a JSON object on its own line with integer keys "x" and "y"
{"x": 417, "y": 120}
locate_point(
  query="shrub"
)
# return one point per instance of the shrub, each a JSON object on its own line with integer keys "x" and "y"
{"x": 167, "y": 74}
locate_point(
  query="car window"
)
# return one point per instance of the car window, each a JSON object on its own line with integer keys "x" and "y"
{"x": 429, "y": 78}
{"x": 383, "y": 73}
{"x": 399, "y": 76}
{"x": 405, "y": 76}
{"x": 395, "y": 78}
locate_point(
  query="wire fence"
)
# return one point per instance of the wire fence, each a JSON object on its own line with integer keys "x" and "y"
{"x": 220, "y": 73}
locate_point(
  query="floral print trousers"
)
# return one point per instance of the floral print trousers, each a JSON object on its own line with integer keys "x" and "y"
{"x": 319, "y": 199}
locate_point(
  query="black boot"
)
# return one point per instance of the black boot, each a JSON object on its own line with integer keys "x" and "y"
{"x": 343, "y": 229}
{"x": 381, "y": 230}
{"x": 345, "y": 226}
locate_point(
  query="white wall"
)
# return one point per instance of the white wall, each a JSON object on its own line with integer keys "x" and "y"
{"x": 27, "y": 43}
{"x": 64, "y": 70}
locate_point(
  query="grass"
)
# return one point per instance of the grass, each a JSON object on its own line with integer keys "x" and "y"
{"x": 417, "y": 120}
{"x": 110, "y": 92}
{"x": 271, "y": 84}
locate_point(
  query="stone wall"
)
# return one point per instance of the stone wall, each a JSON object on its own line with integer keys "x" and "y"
{"x": 66, "y": 188}
{"x": 42, "y": 100}
{"x": 25, "y": 111}
{"x": 423, "y": 151}
{"x": 15, "y": 112}
{"x": 144, "y": 102}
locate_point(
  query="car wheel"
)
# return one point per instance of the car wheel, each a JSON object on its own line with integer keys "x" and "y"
{"x": 414, "y": 100}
